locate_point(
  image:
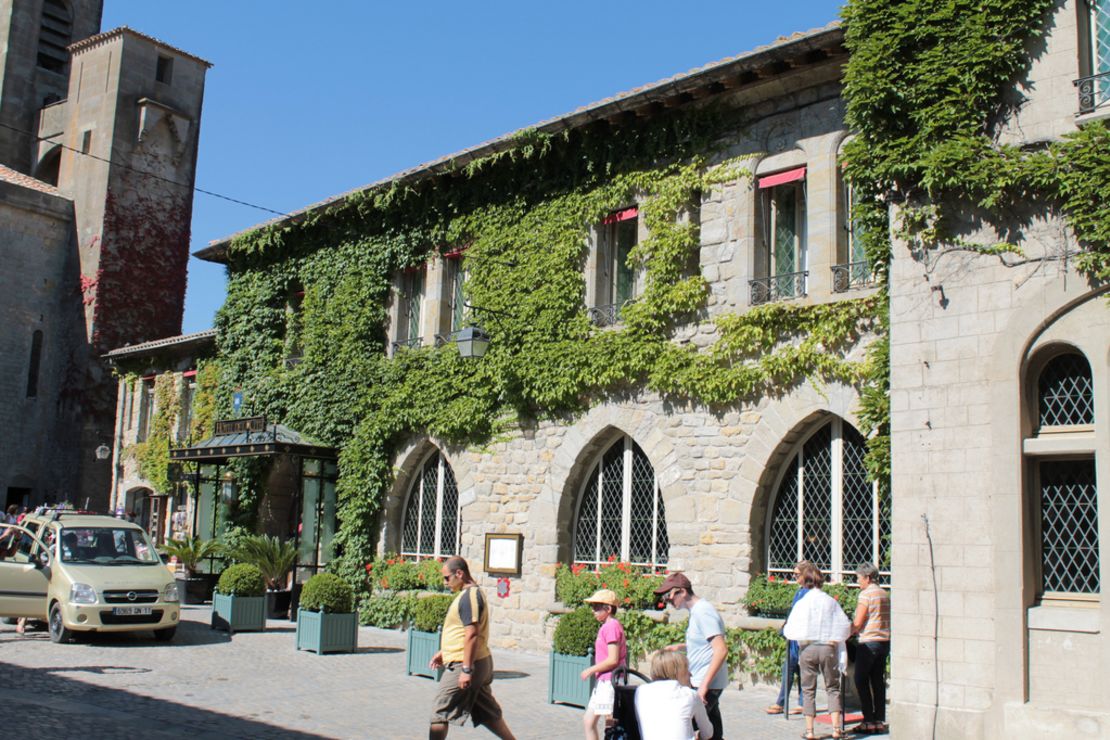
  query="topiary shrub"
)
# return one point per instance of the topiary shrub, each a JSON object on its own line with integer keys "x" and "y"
{"x": 576, "y": 632}
{"x": 429, "y": 612}
{"x": 387, "y": 612}
{"x": 327, "y": 592}
{"x": 241, "y": 579}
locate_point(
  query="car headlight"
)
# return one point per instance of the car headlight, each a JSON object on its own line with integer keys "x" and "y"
{"x": 82, "y": 593}
{"x": 169, "y": 593}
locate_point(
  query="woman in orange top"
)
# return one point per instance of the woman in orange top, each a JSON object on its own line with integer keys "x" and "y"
{"x": 872, "y": 624}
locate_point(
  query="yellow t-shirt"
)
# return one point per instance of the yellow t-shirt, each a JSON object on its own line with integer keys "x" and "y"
{"x": 469, "y": 607}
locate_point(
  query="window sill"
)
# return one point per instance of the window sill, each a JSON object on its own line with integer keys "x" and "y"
{"x": 1099, "y": 114}
{"x": 1072, "y": 617}
{"x": 1060, "y": 443}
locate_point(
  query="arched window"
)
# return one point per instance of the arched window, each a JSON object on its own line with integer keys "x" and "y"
{"x": 620, "y": 512}
{"x": 431, "y": 525}
{"x": 55, "y": 32}
{"x": 825, "y": 510}
{"x": 1063, "y": 496}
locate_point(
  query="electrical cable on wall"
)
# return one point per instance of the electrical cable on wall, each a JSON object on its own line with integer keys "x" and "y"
{"x": 145, "y": 174}
{"x": 936, "y": 626}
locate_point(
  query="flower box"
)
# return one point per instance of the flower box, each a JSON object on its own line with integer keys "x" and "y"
{"x": 564, "y": 682}
{"x": 321, "y": 632}
{"x": 238, "y": 613}
{"x": 421, "y": 647}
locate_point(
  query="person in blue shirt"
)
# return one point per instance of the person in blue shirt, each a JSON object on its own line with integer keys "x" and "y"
{"x": 790, "y": 667}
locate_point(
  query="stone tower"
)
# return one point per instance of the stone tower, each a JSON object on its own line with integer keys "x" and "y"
{"x": 114, "y": 119}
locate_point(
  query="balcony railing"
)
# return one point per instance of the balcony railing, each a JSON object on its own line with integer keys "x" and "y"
{"x": 607, "y": 315}
{"x": 410, "y": 343}
{"x": 441, "y": 339}
{"x": 852, "y": 275}
{"x": 777, "y": 287}
{"x": 1094, "y": 92}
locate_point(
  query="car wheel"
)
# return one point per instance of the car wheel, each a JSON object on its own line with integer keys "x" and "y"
{"x": 166, "y": 634}
{"x": 58, "y": 631}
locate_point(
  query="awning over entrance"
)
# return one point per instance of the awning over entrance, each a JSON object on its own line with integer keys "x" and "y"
{"x": 248, "y": 437}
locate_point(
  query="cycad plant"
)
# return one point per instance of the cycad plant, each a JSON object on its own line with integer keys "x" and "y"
{"x": 189, "y": 552}
{"x": 271, "y": 555}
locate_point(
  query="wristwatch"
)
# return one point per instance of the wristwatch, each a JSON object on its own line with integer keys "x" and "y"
{"x": 467, "y": 670}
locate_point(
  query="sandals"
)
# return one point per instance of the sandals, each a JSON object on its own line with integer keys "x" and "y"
{"x": 774, "y": 709}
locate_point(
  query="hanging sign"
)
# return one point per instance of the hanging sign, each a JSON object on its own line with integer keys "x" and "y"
{"x": 502, "y": 588}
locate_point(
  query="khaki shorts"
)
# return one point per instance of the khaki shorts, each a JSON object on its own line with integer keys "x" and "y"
{"x": 454, "y": 705}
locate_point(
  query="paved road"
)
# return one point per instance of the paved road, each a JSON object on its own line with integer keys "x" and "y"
{"x": 207, "y": 685}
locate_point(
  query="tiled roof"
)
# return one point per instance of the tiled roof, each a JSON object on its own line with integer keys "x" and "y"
{"x": 200, "y": 337}
{"x": 101, "y": 37}
{"x": 663, "y": 89}
{"x": 7, "y": 174}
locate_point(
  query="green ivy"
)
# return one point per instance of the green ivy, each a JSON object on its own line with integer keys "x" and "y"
{"x": 153, "y": 453}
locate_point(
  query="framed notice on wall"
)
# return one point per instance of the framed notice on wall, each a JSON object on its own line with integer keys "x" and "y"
{"x": 503, "y": 554}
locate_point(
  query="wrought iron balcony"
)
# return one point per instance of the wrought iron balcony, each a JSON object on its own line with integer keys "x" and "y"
{"x": 777, "y": 287}
{"x": 410, "y": 343}
{"x": 852, "y": 275}
{"x": 292, "y": 361}
{"x": 607, "y": 315}
{"x": 441, "y": 339}
{"x": 1094, "y": 92}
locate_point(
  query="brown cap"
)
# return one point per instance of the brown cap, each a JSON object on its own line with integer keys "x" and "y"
{"x": 674, "y": 580}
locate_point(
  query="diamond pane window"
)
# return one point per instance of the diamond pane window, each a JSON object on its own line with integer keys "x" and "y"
{"x": 1065, "y": 392}
{"x": 620, "y": 513}
{"x": 825, "y": 510}
{"x": 431, "y": 522}
{"x": 1069, "y": 527}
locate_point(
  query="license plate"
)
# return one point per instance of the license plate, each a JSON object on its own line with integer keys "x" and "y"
{"x": 130, "y": 611}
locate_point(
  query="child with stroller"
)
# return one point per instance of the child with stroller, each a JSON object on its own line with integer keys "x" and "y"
{"x": 610, "y": 652}
{"x": 666, "y": 707}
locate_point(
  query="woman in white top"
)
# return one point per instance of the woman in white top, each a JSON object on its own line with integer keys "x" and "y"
{"x": 667, "y": 707}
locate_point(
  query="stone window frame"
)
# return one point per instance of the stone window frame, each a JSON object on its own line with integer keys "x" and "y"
{"x": 410, "y": 291}
{"x": 837, "y": 572}
{"x": 659, "y": 560}
{"x": 1051, "y": 444}
{"x": 769, "y": 285}
{"x": 147, "y": 407}
{"x": 453, "y": 315}
{"x": 445, "y": 477}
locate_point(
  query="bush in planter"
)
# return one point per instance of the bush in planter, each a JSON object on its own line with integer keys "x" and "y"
{"x": 327, "y": 592}
{"x": 570, "y": 655}
{"x": 190, "y": 552}
{"x": 428, "y": 613}
{"x": 387, "y": 612}
{"x": 575, "y": 633}
{"x": 271, "y": 555}
{"x": 326, "y": 621}
{"x": 241, "y": 579}
{"x": 239, "y": 602}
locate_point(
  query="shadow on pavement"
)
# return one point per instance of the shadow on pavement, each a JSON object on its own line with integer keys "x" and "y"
{"x": 64, "y": 705}
{"x": 188, "y": 633}
{"x": 509, "y": 675}
{"x": 379, "y": 650}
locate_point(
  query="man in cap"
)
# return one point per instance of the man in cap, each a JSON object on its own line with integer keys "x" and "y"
{"x": 464, "y": 655}
{"x": 705, "y": 645}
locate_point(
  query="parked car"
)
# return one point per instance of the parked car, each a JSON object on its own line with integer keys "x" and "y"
{"x": 85, "y": 573}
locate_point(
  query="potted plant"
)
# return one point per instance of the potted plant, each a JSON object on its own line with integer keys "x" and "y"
{"x": 423, "y": 638}
{"x": 572, "y": 651}
{"x": 326, "y": 619}
{"x": 239, "y": 604}
{"x": 274, "y": 558}
{"x": 193, "y": 587}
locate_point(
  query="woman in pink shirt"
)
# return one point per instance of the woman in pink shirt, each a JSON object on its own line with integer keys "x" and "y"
{"x": 610, "y": 652}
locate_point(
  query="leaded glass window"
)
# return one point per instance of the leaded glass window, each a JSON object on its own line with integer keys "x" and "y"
{"x": 430, "y": 527}
{"x": 1065, "y": 392}
{"x": 825, "y": 509}
{"x": 620, "y": 512}
{"x": 784, "y": 229}
{"x": 1069, "y": 527}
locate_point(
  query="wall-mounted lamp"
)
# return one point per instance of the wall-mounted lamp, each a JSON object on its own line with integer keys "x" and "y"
{"x": 227, "y": 486}
{"x": 473, "y": 341}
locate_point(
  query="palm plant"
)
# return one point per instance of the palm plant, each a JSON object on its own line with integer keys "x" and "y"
{"x": 271, "y": 555}
{"x": 189, "y": 552}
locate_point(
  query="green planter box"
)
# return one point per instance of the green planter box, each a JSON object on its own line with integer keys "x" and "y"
{"x": 421, "y": 647}
{"x": 238, "y": 613}
{"x": 564, "y": 682}
{"x": 327, "y": 633}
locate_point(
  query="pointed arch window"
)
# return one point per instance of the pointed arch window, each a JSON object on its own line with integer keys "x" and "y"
{"x": 825, "y": 510}
{"x": 620, "y": 511}
{"x": 430, "y": 528}
{"x": 1063, "y": 495}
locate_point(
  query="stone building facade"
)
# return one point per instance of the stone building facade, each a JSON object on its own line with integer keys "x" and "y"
{"x": 99, "y": 138}
{"x": 999, "y": 380}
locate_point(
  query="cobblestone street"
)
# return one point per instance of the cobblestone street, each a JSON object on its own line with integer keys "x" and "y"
{"x": 207, "y": 685}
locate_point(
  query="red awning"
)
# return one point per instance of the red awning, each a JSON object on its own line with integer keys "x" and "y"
{"x": 189, "y": 374}
{"x": 781, "y": 178}
{"x": 625, "y": 215}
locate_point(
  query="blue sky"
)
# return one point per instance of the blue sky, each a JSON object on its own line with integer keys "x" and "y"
{"x": 310, "y": 99}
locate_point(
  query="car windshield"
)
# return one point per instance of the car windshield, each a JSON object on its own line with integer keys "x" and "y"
{"x": 107, "y": 546}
